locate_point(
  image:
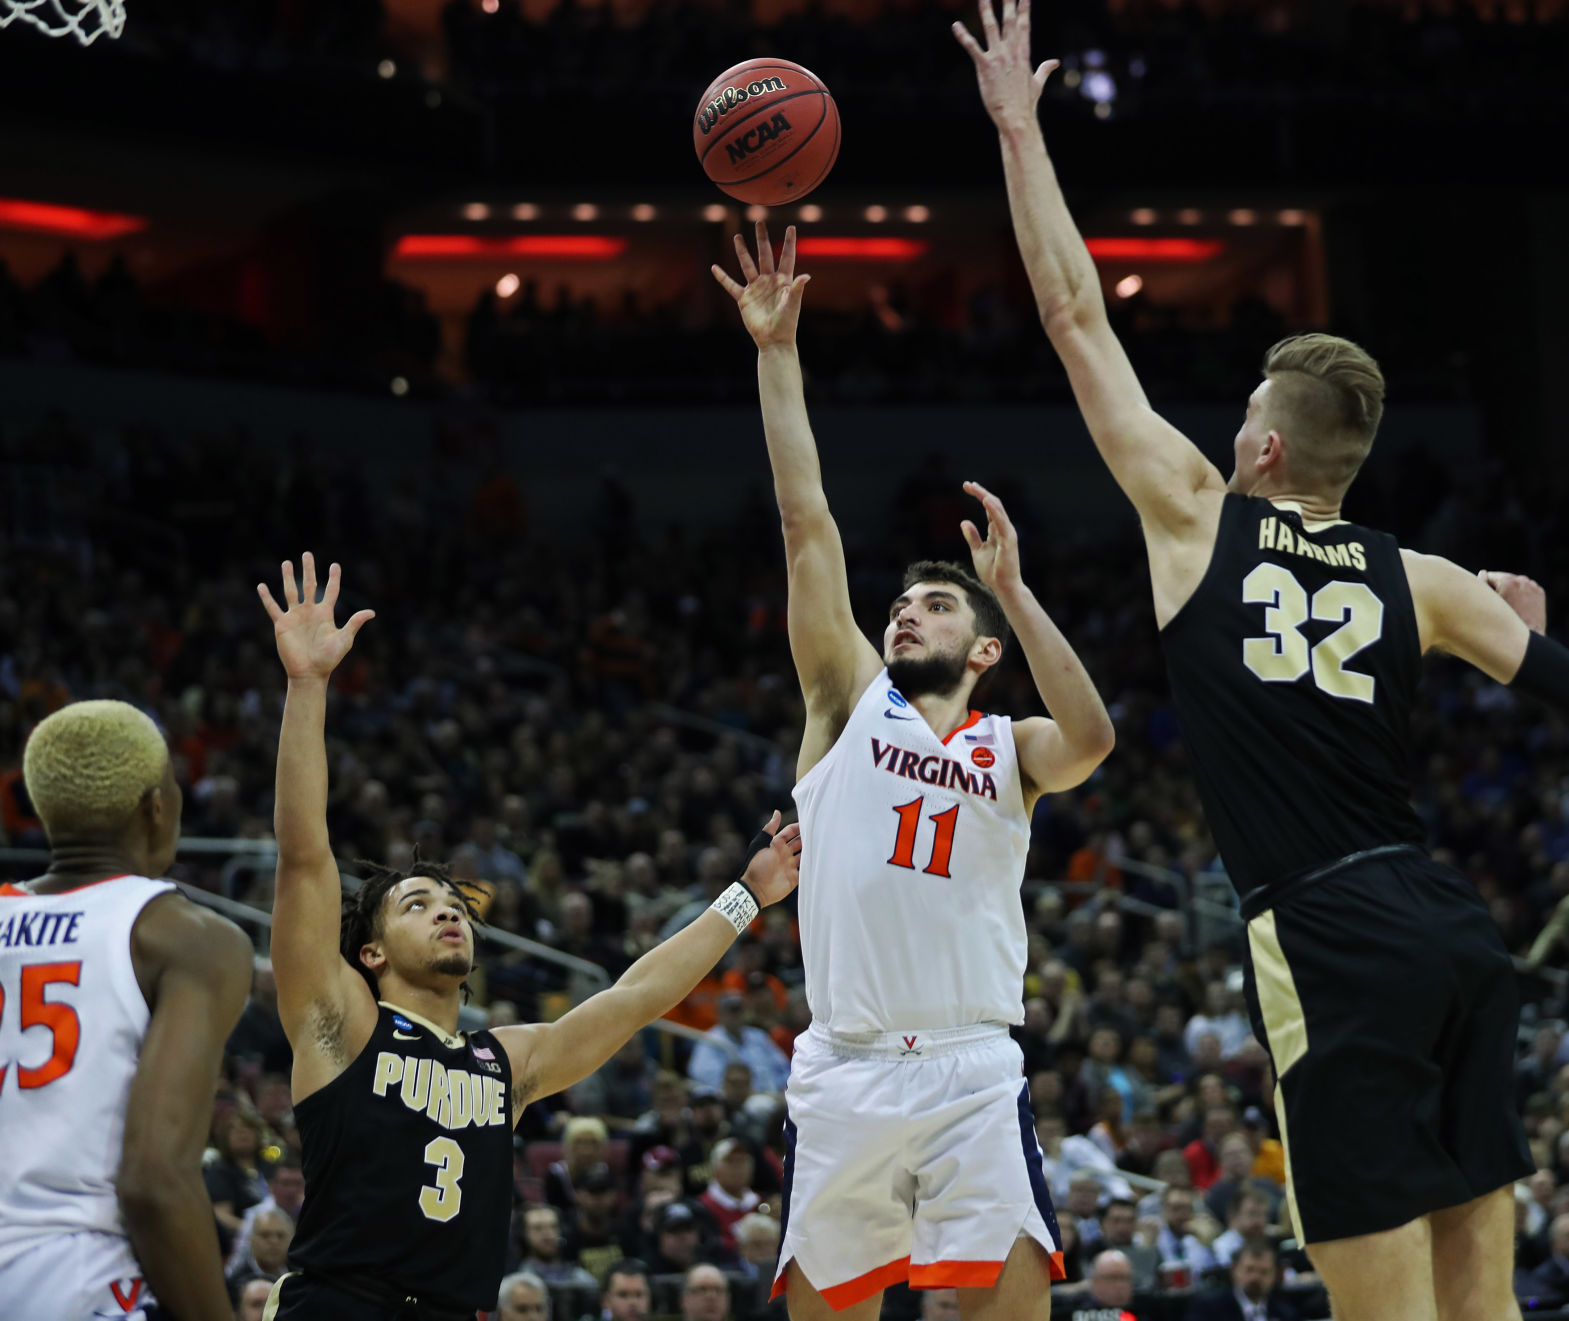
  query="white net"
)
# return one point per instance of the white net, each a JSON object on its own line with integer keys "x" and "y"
{"x": 86, "y": 20}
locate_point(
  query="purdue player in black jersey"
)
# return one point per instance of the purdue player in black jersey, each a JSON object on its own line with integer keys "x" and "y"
{"x": 406, "y": 1124}
{"x": 1294, "y": 639}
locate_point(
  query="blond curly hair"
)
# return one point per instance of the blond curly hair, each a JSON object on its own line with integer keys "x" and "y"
{"x": 87, "y": 766}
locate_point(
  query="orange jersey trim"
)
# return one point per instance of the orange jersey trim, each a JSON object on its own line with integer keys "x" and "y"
{"x": 12, "y": 891}
{"x": 955, "y": 1275}
{"x": 841, "y": 1296}
{"x": 975, "y": 719}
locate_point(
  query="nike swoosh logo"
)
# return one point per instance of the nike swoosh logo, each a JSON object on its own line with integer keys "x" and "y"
{"x": 892, "y": 715}
{"x": 405, "y": 1036}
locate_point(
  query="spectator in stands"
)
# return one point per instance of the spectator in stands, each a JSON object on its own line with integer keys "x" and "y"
{"x": 1236, "y": 1175}
{"x": 705, "y": 1294}
{"x": 757, "y": 1241}
{"x": 639, "y": 1228}
{"x": 735, "y": 1088}
{"x": 627, "y": 1296}
{"x": 267, "y": 1255}
{"x": 1203, "y": 1153}
{"x": 257, "y": 1040}
{"x": 523, "y": 1297}
{"x": 586, "y": 1141}
{"x": 235, "y": 1180}
{"x": 661, "y": 1169}
{"x": 1110, "y": 1295}
{"x": 734, "y": 1038}
{"x": 285, "y": 1192}
{"x": 621, "y": 1089}
{"x": 1254, "y": 1273}
{"x": 591, "y": 1239}
{"x": 1247, "y": 1218}
{"x": 1223, "y": 1018}
{"x": 1548, "y": 1284}
{"x": 1118, "y": 1225}
{"x": 1177, "y": 1241}
{"x": 542, "y": 1244}
{"x": 1084, "y": 1197}
{"x": 729, "y": 1195}
{"x": 251, "y": 1295}
{"x": 709, "y": 1125}
{"x": 1067, "y": 1155}
{"x": 677, "y": 1240}
{"x": 666, "y": 1122}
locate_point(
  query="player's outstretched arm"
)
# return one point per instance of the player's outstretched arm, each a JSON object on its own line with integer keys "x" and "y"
{"x": 196, "y": 970}
{"x": 834, "y": 660}
{"x": 1160, "y": 470}
{"x": 1060, "y": 752}
{"x": 316, "y": 988}
{"x": 1496, "y": 621}
{"x": 548, "y": 1058}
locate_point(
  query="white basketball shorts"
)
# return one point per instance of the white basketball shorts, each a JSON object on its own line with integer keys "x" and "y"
{"x": 74, "y": 1277}
{"x": 910, "y": 1156}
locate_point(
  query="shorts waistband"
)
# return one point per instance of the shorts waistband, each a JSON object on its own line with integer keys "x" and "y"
{"x": 919, "y": 1043}
{"x": 1267, "y": 896}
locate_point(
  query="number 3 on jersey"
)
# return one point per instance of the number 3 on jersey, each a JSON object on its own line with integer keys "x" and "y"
{"x": 60, "y": 1019}
{"x": 942, "y": 844}
{"x": 1283, "y": 657}
{"x": 442, "y": 1201}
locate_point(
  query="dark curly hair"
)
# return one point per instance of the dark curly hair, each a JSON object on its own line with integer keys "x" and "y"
{"x": 363, "y": 918}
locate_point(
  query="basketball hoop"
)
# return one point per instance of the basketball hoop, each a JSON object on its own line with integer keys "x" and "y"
{"x": 86, "y": 20}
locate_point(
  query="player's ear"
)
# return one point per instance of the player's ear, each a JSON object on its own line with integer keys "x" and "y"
{"x": 1273, "y": 452}
{"x": 372, "y": 956}
{"x": 986, "y": 652}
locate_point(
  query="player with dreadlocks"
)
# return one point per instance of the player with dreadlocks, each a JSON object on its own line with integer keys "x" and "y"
{"x": 405, "y": 1123}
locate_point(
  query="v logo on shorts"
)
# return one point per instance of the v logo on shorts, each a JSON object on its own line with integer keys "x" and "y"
{"x": 910, "y": 1048}
{"x": 126, "y": 1300}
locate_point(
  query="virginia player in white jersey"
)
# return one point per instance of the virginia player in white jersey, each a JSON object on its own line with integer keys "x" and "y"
{"x": 912, "y": 1148}
{"x": 116, "y": 997}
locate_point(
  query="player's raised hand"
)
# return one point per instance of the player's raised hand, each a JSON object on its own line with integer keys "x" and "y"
{"x": 310, "y": 643}
{"x": 997, "y": 555}
{"x": 770, "y": 300}
{"x": 774, "y": 871}
{"x": 1525, "y": 596}
{"x": 1010, "y": 84}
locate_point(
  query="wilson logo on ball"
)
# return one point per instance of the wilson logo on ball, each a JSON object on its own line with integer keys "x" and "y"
{"x": 754, "y": 138}
{"x": 731, "y": 97}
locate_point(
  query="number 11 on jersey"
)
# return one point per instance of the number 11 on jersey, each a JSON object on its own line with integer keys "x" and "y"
{"x": 909, "y": 815}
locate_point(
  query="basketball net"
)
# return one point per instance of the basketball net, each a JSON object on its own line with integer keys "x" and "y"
{"x": 86, "y": 20}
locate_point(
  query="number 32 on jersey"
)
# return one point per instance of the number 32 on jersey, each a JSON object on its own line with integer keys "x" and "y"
{"x": 1284, "y": 656}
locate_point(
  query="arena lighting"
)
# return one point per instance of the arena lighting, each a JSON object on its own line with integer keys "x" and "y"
{"x": 863, "y": 249}
{"x": 470, "y": 247}
{"x": 643, "y": 211}
{"x": 585, "y": 211}
{"x": 1143, "y": 216}
{"x": 811, "y": 213}
{"x": 507, "y": 285}
{"x": 386, "y": 69}
{"x": 714, "y": 212}
{"x": 1290, "y": 217}
{"x": 1189, "y": 216}
{"x": 525, "y": 211}
{"x": 1172, "y": 251}
{"x": 400, "y": 386}
{"x": 917, "y": 215}
{"x": 1242, "y": 216}
{"x": 73, "y": 221}
{"x": 490, "y": 6}
{"x": 1129, "y": 285}
{"x": 476, "y": 211}
{"x": 756, "y": 213}
{"x": 876, "y": 214}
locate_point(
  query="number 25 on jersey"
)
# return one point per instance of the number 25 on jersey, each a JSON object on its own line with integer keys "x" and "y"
{"x": 36, "y": 1010}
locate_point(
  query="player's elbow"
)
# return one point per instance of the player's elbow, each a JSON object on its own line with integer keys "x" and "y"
{"x": 148, "y": 1187}
{"x": 1069, "y": 315}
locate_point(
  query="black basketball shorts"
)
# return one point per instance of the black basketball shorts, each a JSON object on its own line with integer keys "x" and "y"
{"x": 296, "y": 1297}
{"x": 1387, "y": 1000}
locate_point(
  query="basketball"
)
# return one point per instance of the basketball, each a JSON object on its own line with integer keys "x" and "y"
{"x": 766, "y": 131}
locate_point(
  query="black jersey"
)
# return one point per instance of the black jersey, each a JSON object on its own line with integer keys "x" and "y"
{"x": 1293, "y": 669}
{"x": 408, "y": 1165}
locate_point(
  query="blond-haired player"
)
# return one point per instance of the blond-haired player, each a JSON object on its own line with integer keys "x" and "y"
{"x": 116, "y": 996}
{"x": 1294, "y": 639}
{"x": 913, "y": 1152}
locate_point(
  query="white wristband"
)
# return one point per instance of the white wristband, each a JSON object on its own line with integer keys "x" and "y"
{"x": 737, "y": 907}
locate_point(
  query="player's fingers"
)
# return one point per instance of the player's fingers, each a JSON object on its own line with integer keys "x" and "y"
{"x": 988, "y": 23}
{"x": 972, "y": 538}
{"x": 967, "y": 41}
{"x": 274, "y": 610}
{"x": 726, "y": 283}
{"x": 748, "y": 266}
{"x": 1023, "y": 23}
{"x": 787, "y": 254}
{"x": 796, "y": 290}
{"x": 329, "y": 598}
{"x": 308, "y": 591}
{"x": 291, "y": 589}
{"x": 357, "y": 621}
{"x": 773, "y": 823}
{"x": 791, "y": 834}
{"x": 765, "y": 249}
{"x": 1045, "y": 71}
{"x": 1009, "y": 16}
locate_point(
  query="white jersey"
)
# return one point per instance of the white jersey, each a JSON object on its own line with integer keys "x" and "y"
{"x": 913, "y": 851}
{"x": 72, "y": 1020}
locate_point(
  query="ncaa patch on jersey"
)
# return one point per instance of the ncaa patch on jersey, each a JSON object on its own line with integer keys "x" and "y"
{"x": 401, "y": 1023}
{"x": 896, "y": 697}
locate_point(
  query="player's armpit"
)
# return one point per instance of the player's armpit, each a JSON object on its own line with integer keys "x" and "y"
{"x": 1158, "y": 468}
{"x": 318, "y": 992}
{"x": 196, "y": 967}
{"x": 1460, "y": 614}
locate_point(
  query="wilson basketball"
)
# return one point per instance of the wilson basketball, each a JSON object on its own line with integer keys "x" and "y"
{"x": 766, "y": 131}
